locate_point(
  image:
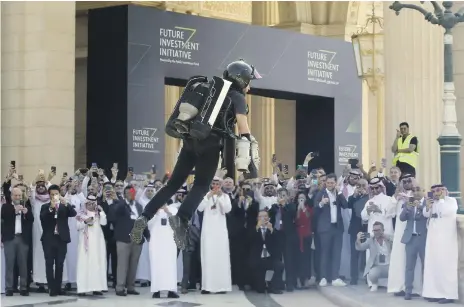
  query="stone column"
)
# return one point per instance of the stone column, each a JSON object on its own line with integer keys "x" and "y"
{"x": 414, "y": 85}
{"x": 285, "y": 132}
{"x": 264, "y": 13}
{"x": 172, "y": 94}
{"x": 38, "y": 55}
{"x": 458, "y": 53}
{"x": 263, "y": 129}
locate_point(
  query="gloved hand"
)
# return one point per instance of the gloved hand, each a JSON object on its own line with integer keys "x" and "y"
{"x": 254, "y": 152}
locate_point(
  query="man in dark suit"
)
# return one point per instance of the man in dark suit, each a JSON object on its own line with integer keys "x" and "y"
{"x": 327, "y": 211}
{"x": 55, "y": 237}
{"x": 414, "y": 237}
{"x": 122, "y": 216}
{"x": 17, "y": 219}
{"x": 264, "y": 255}
{"x": 282, "y": 216}
{"x": 356, "y": 203}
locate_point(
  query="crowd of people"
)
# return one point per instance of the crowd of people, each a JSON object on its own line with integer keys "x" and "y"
{"x": 314, "y": 228}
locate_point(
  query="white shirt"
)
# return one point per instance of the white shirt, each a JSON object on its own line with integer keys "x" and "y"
{"x": 134, "y": 213}
{"x": 333, "y": 206}
{"x": 18, "y": 228}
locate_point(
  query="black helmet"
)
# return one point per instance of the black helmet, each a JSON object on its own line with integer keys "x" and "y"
{"x": 241, "y": 73}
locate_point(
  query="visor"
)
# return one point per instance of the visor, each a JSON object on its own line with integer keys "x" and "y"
{"x": 255, "y": 75}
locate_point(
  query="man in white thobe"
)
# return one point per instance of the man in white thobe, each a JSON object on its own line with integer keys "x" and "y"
{"x": 215, "y": 255}
{"x": 441, "y": 248}
{"x": 143, "y": 268}
{"x": 91, "y": 251}
{"x": 396, "y": 274}
{"x": 39, "y": 196}
{"x": 163, "y": 253}
{"x": 75, "y": 199}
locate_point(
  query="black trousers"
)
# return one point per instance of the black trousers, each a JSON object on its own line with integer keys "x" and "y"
{"x": 191, "y": 268}
{"x": 406, "y": 168}
{"x": 288, "y": 246}
{"x": 304, "y": 260}
{"x": 204, "y": 157}
{"x": 239, "y": 247}
{"x": 259, "y": 268}
{"x": 111, "y": 254}
{"x": 55, "y": 253}
{"x": 317, "y": 257}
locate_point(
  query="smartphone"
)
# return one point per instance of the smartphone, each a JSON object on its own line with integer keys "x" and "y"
{"x": 108, "y": 187}
{"x": 430, "y": 194}
{"x": 367, "y": 235}
{"x": 285, "y": 169}
{"x": 353, "y": 163}
{"x": 13, "y": 164}
{"x": 94, "y": 165}
{"x": 274, "y": 158}
{"x": 279, "y": 166}
{"x": 131, "y": 169}
{"x": 153, "y": 168}
{"x": 41, "y": 172}
{"x": 115, "y": 165}
{"x": 314, "y": 181}
{"x": 20, "y": 177}
{"x": 65, "y": 174}
{"x": 53, "y": 169}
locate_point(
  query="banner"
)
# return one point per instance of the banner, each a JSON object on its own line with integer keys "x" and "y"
{"x": 170, "y": 45}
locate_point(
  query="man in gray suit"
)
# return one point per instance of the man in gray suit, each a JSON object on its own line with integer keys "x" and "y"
{"x": 414, "y": 237}
{"x": 380, "y": 247}
{"x": 122, "y": 215}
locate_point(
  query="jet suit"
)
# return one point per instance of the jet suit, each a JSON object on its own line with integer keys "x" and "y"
{"x": 201, "y": 147}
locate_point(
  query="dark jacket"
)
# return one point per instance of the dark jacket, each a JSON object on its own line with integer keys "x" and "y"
{"x": 288, "y": 227}
{"x": 9, "y": 222}
{"x": 120, "y": 216}
{"x": 322, "y": 215}
{"x": 256, "y": 245}
{"x": 356, "y": 204}
{"x": 49, "y": 222}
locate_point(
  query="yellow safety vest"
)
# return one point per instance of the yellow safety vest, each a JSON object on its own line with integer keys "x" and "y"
{"x": 409, "y": 158}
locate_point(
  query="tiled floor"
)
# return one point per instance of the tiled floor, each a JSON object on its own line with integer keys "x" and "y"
{"x": 235, "y": 299}
{"x": 360, "y": 296}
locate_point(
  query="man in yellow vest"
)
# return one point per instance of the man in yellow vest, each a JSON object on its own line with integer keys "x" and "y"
{"x": 406, "y": 150}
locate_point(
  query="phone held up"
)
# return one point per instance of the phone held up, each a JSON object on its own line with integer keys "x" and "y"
{"x": 53, "y": 169}
{"x": 13, "y": 164}
{"x": 353, "y": 163}
{"x": 285, "y": 169}
{"x": 153, "y": 168}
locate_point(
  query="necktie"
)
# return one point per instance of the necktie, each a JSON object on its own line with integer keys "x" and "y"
{"x": 345, "y": 191}
{"x": 281, "y": 216}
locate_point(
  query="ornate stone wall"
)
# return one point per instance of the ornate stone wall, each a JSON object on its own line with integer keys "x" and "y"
{"x": 38, "y": 58}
